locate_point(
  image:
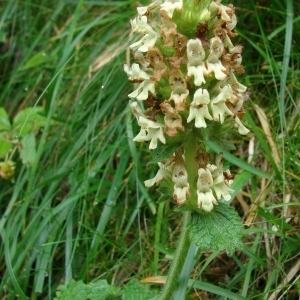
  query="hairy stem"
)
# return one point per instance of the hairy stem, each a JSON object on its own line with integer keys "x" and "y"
{"x": 178, "y": 261}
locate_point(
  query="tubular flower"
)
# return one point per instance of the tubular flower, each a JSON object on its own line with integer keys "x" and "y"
{"x": 180, "y": 179}
{"x": 196, "y": 66}
{"x": 165, "y": 171}
{"x": 140, "y": 24}
{"x": 199, "y": 109}
{"x": 150, "y": 131}
{"x": 186, "y": 93}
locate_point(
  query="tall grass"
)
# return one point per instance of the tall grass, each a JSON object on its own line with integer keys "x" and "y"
{"x": 81, "y": 210}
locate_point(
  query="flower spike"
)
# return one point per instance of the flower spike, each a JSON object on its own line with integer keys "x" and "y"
{"x": 186, "y": 93}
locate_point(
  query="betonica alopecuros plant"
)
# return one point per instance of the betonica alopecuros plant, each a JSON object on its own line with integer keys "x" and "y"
{"x": 187, "y": 93}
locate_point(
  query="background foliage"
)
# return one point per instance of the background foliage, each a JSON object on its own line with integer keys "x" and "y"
{"x": 78, "y": 209}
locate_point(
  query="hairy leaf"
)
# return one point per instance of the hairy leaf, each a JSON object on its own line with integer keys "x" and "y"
{"x": 134, "y": 290}
{"x": 220, "y": 229}
{"x": 78, "y": 290}
{"x": 163, "y": 152}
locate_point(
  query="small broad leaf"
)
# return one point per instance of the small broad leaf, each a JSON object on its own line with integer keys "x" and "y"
{"x": 28, "y": 150}
{"x": 37, "y": 60}
{"x": 5, "y": 145}
{"x": 78, "y": 290}
{"x": 4, "y": 120}
{"x": 220, "y": 229}
{"x": 29, "y": 119}
{"x": 134, "y": 290}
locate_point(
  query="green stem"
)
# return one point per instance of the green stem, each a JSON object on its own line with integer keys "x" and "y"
{"x": 190, "y": 152}
{"x": 178, "y": 261}
{"x": 157, "y": 234}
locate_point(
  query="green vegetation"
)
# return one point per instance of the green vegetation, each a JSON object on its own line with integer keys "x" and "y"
{"x": 76, "y": 207}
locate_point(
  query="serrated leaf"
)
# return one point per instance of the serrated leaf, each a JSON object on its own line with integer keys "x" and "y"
{"x": 28, "y": 150}
{"x": 163, "y": 152}
{"x": 78, "y": 290}
{"x": 136, "y": 291}
{"x": 29, "y": 119}
{"x": 4, "y": 120}
{"x": 220, "y": 229}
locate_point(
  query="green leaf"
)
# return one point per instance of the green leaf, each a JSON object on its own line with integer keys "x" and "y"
{"x": 37, "y": 60}
{"x": 220, "y": 229}
{"x": 163, "y": 152}
{"x": 218, "y": 133}
{"x": 78, "y": 290}
{"x": 136, "y": 291}
{"x": 4, "y": 120}
{"x": 28, "y": 150}
{"x": 5, "y": 146}
{"x": 28, "y": 119}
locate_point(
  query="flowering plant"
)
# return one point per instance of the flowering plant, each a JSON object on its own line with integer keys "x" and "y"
{"x": 187, "y": 93}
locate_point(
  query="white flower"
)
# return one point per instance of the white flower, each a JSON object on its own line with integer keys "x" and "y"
{"x": 179, "y": 175}
{"x": 141, "y": 93}
{"x": 195, "y": 52}
{"x": 216, "y": 50}
{"x": 241, "y": 128}
{"x": 170, "y": 5}
{"x": 140, "y": 25}
{"x": 201, "y": 97}
{"x": 199, "y": 114}
{"x": 213, "y": 62}
{"x": 198, "y": 73}
{"x": 223, "y": 190}
{"x": 233, "y": 23}
{"x": 222, "y": 10}
{"x": 143, "y": 9}
{"x": 179, "y": 91}
{"x": 165, "y": 171}
{"x": 150, "y": 131}
{"x": 205, "y": 180}
{"x": 218, "y": 105}
{"x": 196, "y": 66}
{"x": 199, "y": 109}
{"x": 228, "y": 43}
{"x": 180, "y": 194}
{"x": 181, "y": 187}
{"x": 240, "y": 87}
{"x": 220, "y": 110}
{"x": 221, "y": 185}
{"x": 135, "y": 73}
{"x": 218, "y": 69}
{"x": 206, "y": 200}
{"x": 136, "y": 110}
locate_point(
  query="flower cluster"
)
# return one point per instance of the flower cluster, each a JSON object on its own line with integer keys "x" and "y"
{"x": 7, "y": 169}
{"x": 186, "y": 82}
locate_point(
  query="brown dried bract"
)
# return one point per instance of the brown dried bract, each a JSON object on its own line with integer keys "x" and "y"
{"x": 155, "y": 58}
{"x": 200, "y": 33}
